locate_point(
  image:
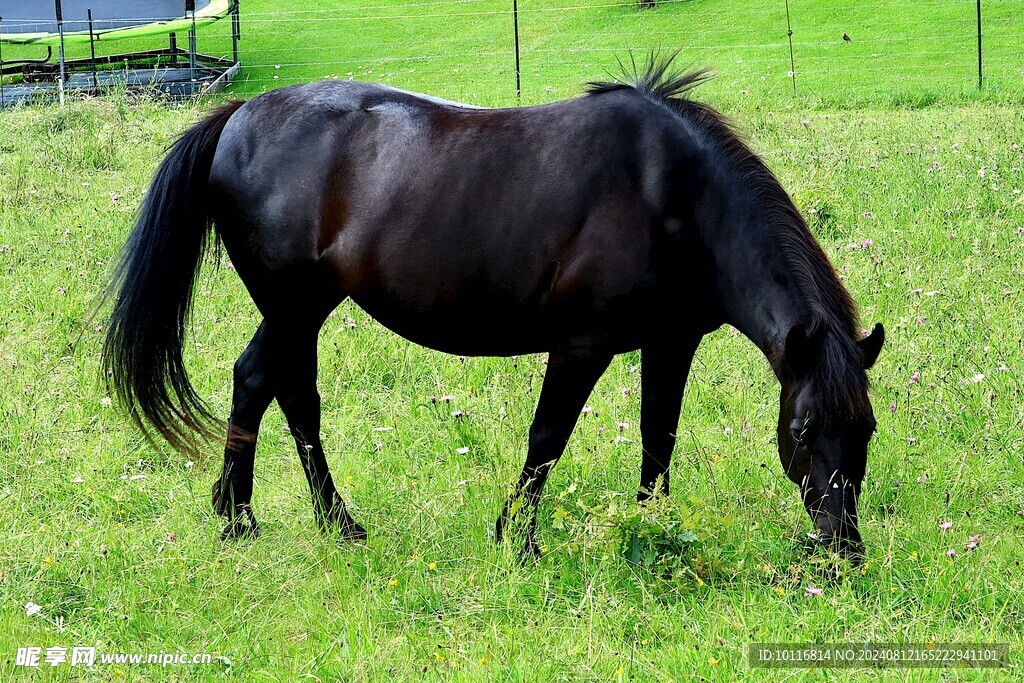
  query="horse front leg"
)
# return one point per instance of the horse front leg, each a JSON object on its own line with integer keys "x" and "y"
{"x": 665, "y": 366}
{"x": 252, "y": 393}
{"x": 570, "y": 377}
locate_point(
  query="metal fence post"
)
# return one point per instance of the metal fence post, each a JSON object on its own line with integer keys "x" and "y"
{"x": 190, "y": 9}
{"x": 515, "y": 28}
{"x": 792, "y": 61}
{"x": 92, "y": 53}
{"x": 979, "y": 45}
{"x": 60, "y": 34}
{"x": 1, "y": 64}
{"x": 235, "y": 29}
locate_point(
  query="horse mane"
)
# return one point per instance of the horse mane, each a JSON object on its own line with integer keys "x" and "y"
{"x": 839, "y": 378}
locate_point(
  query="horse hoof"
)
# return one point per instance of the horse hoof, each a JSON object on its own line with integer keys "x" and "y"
{"x": 238, "y": 529}
{"x": 341, "y": 523}
{"x": 529, "y": 551}
{"x": 351, "y": 530}
{"x": 242, "y": 525}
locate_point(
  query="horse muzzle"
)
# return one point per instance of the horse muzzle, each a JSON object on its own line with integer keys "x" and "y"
{"x": 835, "y": 515}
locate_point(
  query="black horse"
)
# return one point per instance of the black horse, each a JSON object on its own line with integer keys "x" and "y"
{"x": 632, "y": 217}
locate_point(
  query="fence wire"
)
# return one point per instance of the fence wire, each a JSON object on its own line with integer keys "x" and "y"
{"x": 467, "y": 47}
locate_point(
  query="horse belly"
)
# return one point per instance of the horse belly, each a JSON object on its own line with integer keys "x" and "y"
{"x": 469, "y": 318}
{"x": 503, "y": 304}
{"x": 465, "y": 333}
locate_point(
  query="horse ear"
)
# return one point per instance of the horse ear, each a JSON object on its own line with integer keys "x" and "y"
{"x": 803, "y": 349}
{"x": 871, "y": 345}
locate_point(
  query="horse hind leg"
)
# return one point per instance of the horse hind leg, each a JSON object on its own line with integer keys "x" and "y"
{"x": 295, "y": 368}
{"x": 251, "y": 396}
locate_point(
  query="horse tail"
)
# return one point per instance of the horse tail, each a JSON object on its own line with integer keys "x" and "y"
{"x": 155, "y": 277}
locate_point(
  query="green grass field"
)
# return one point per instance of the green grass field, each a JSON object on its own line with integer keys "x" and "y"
{"x": 117, "y": 544}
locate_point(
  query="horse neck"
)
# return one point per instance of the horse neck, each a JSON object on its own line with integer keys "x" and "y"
{"x": 759, "y": 291}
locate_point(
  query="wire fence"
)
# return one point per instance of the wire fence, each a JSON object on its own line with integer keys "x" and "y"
{"x": 501, "y": 51}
